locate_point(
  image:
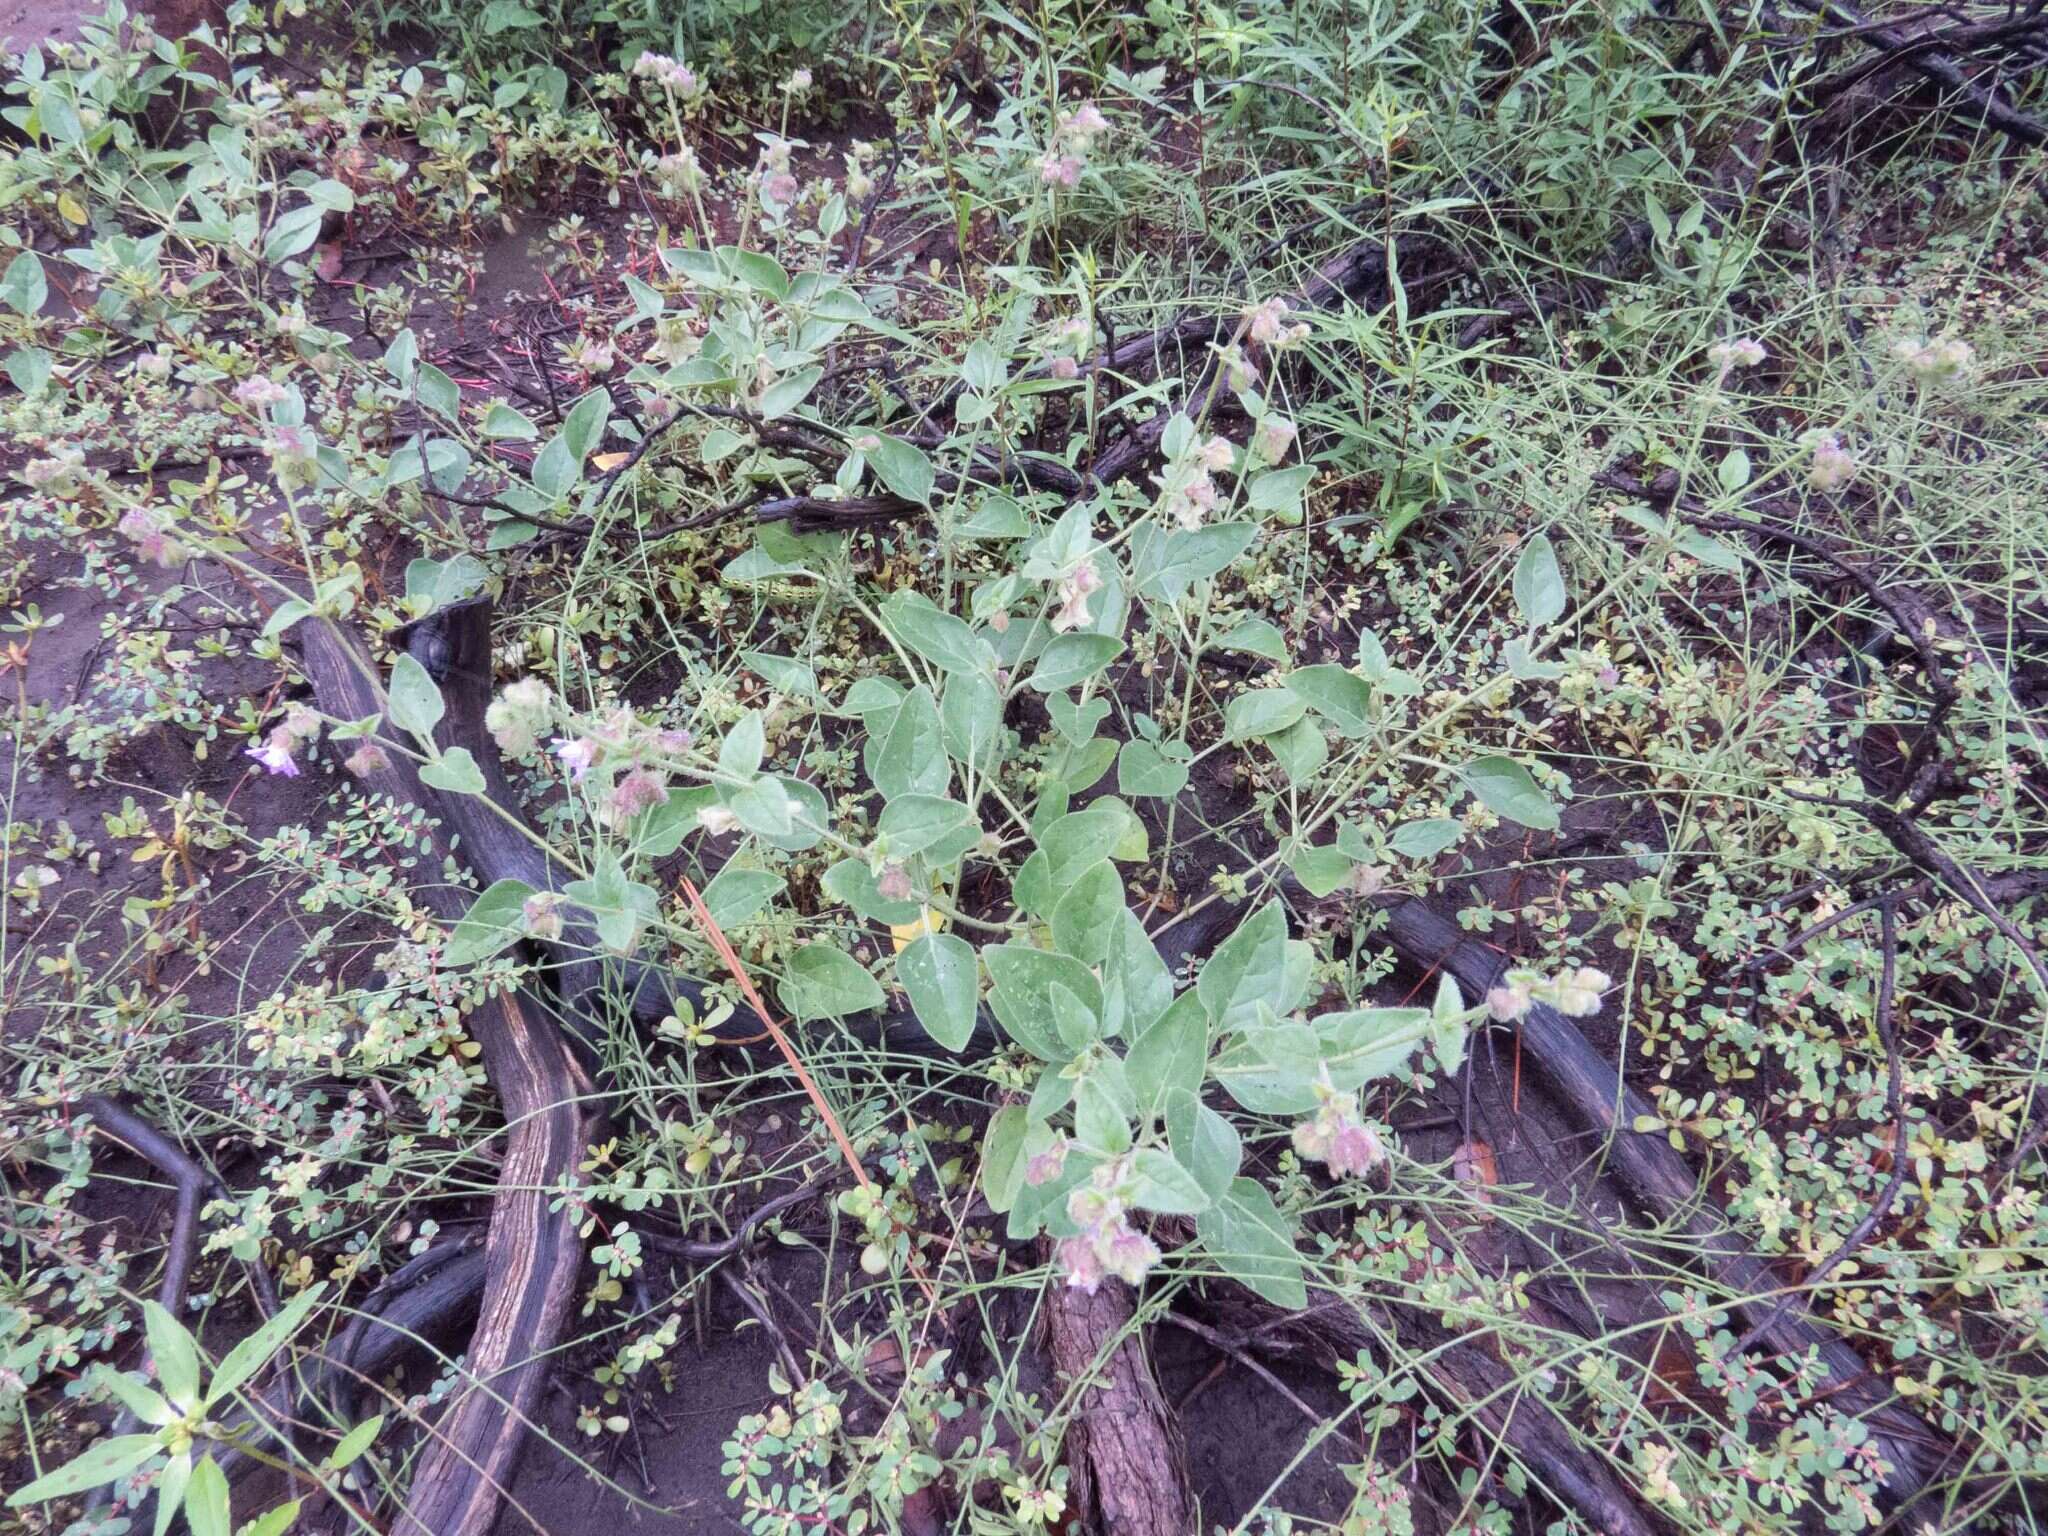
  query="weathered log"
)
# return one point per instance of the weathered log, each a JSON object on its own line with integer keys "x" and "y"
{"x": 532, "y": 1254}
{"x": 1125, "y": 1463}
{"x": 1465, "y": 1373}
{"x": 1663, "y": 1188}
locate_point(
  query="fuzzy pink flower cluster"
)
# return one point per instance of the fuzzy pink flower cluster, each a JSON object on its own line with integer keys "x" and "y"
{"x": 1068, "y": 345}
{"x": 1832, "y": 467}
{"x": 294, "y": 455}
{"x": 61, "y": 475}
{"x": 1739, "y": 352}
{"x": 776, "y": 182}
{"x": 1187, "y": 491}
{"x": 1061, "y": 165}
{"x": 259, "y": 392}
{"x": 1273, "y": 440}
{"x": 150, "y": 529}
{"x": 1267, "y": 325}
{"x": 1935, "y": 361}
{"x": 1574, "y": 993}
{"x": 621, "y": 741}
{"x": 670, "y": 74}
{"x": 1108, "y": 1244}
{"x": 1080, "y": 584}
{"x": 1337, "y": 1136}
{"x": 679, "y": 174}
{"x": 540, "y": 916}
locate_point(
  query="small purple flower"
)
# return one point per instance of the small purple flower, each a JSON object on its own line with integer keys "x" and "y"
{"x": 275, "y": 754}
{"x": 577, "y": 755}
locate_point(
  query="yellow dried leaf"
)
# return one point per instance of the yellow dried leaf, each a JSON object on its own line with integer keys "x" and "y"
{"x": 906, "y": 934}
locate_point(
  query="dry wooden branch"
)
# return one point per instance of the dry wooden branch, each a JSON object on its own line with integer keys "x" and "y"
{"x": 1901, "y": 1135}
{"x": 1466, "y": 1374}
{"x": 532, "y": 1254}
{"x": 1661, "y": 1185}
{"x": 1126, "y": 1464}
{"x": 1914, "y": 45}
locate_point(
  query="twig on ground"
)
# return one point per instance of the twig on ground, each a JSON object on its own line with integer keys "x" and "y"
{"x": 1236, "y": 1351}
{"x": 1863, "y": 1230}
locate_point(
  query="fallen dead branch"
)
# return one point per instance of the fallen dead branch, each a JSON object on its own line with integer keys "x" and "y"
{"x": 1661, "y": 1185}
{"x": 1930, "y": 44}
{"x": 532, "y": 1254}
{"x": 1866, "y": 1228}
{"x": 1466, "y": 1373}
{"x": 1127, "y": 1468}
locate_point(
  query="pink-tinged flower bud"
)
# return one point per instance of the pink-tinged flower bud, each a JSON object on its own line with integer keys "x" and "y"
{"x": 368, "y": 758}
{"x": 1576, "y": 994}
{"x": 540, "y": 916}
{"x": 780, "y": 187}
{"x": 1089, "y": 1208}
{"x": 1057, "y": 170}
{"x": 1218, "y": 453}
{"x": 1833, "y": 465}
{"x": 1077, "y": 1258}
{"x": 1508, "y": 1003}
{"x": 1074, "y": 593}
{"x": 577, "y": 755}
{"x": 893, "y": 884}
{"x": 1740, "y": 352}
{"x": 1125, "y": 1253}
{"x": 292, "y": 444}
{"x": 260, "y": 392}
{"x": 640, "y": 790}
{"x": 1274, "y": 439}
{"x": 60, "y": 475}
{"x": 1266, "y": 323}
{"x": 150, "y": 531}
{"x": 1064, "y": 368}
{"x": 1048, "y": 1165}
{"x": 1081, "y": 125}
{"x": 1310, "y": 1144}
{"x": 1354, "y": 1151}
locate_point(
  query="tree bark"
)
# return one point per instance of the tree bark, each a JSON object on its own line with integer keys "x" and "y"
{"x": 1127, "y": 1473}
